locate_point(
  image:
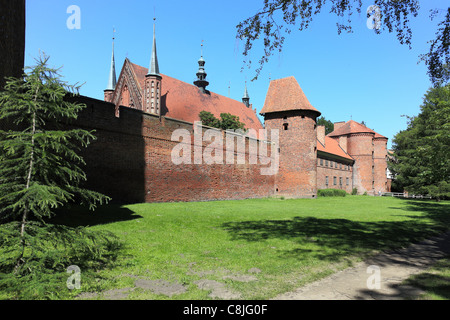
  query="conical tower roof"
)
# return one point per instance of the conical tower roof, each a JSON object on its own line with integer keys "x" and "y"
{"x": 112, "y": 80}
{"x": 286, "y": 95}
{"x": 154, "y": 65}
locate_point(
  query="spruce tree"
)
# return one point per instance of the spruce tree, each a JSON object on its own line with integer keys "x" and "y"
{"x": 41, "y": 172}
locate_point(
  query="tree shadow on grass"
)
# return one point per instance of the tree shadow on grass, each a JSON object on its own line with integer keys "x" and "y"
{"x": 333, "y": 239}
{"x": 78, "y": 216}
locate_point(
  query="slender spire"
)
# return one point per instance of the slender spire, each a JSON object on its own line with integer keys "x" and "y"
{"x": 112, "y": 81}
{"x": 246, "y": 97}
{"x": 154, "y": 66}
{"x": 201, "y": 81}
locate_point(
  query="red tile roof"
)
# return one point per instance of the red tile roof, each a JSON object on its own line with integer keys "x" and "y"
{"x": 184, "y": 101}
{"x": 286, "y": 95}
{"x": 353, "y": 127}
{"x": 332, "y": 146}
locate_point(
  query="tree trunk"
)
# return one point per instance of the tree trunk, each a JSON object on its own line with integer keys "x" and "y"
{"x": 30, "y": 170}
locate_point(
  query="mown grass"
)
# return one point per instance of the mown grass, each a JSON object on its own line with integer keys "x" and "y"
{"x": 291, "y": 242}
{"x": 434, "y": 282}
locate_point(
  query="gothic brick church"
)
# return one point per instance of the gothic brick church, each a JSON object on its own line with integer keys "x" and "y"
{"x": 352, "y": 156}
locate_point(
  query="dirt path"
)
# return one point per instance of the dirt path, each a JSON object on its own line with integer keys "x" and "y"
{"x": 379, "y": 278}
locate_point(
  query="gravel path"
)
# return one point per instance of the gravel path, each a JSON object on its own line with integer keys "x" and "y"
{"x": 378, "y": 278}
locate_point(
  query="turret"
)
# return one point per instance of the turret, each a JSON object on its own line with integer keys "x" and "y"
{"x": 112, "y": 80}
{"x": 153, "y": 82}
{"x": 287, "y": 110}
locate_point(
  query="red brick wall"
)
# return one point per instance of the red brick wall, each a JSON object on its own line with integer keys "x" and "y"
{"x": 380, "y": 163}
{"x": 131, "y": 161}
{"x": 327, "y": 168}
{"x": 360, "y": 147}
{"x": 298, "y": 152}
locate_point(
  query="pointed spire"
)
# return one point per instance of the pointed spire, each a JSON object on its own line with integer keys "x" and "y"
{"x": 246, "y": 97}
{"x": 201, "y": 81}
{"x": 112, "y": 81}
{"x": 154, "y": 66}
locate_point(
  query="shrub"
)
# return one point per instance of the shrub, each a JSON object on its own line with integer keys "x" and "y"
{"x": 354, "y": 191}
{"x": 331, "y": 193}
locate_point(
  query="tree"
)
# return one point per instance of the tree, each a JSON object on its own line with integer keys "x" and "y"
{"x": 227, "y": 121}
{"x": 329, "y": 126}
{"x": 40, "y": 172}
{"x": 421, "y": 152}
{"x": 394, "y": 16}
{"x": 208, "y": 119}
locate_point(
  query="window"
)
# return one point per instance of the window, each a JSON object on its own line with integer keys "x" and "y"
{"x": 340, "y": 165}
{"x": 335, "y": 165}
{"x": 321, "y": 162}
{"x": 347, "y": 181}
{"x": 326, "y": 181}
{"x": 326, "y": 163}
{"x": 340, "y": 181}
{"x": 334, "y": 180}
{"x": 285, "y": 126}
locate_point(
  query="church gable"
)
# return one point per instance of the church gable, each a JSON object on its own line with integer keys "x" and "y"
{"x": 128, "y": 91}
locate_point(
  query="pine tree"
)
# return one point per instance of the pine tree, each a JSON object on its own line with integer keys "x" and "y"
{"x": 41, "y": 172}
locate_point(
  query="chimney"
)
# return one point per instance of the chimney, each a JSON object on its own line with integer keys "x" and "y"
{"x": 321, "y": 134}
{"x": 343, "y": 143}
{"x": 337, "y": 125}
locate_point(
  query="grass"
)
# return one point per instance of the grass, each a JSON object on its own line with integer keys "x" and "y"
{"x": 289, "y": 242}
{"x": 435, "y": 282}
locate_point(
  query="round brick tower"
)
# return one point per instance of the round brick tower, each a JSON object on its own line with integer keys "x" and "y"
{"x": 287, "y": 110}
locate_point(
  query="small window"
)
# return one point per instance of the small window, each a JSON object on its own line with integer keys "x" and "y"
{"x": 340, "y": 165}
{"x": 285, "y": 126}
{"x": 326, "y": 181}
{"x": 326, "y": 163}
{"x": 340, "y": 181}
{"x": 347, "y": 181}
{"x": 321, "y": 162}
{"x": 334, "y": 180}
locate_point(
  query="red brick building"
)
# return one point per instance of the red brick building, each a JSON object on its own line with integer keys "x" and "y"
{"x": 143, "y": 107}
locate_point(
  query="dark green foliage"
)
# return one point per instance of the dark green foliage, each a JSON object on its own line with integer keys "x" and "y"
{"x": 354, "y": 191}
{"x": 331, "y": 193}
{"x": 50, "y": 250}
{"x": 438, "y": 58}
{"x": 40, "y": 172}
{"x": 421, "y": 157}
{"x": 227, "y": 121}
{"x": 329, "y": 126}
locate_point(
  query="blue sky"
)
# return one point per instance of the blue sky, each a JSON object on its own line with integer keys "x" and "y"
{"x": 359, "y": 76}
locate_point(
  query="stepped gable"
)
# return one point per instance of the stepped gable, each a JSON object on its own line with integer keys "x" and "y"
{"x": 286, "y": 95}
{"x": 184, "y": 101}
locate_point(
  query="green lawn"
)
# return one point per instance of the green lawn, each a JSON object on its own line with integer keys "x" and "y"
{"x": 255, "y": 249}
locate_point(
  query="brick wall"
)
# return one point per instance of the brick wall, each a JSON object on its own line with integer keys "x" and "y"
{"x": 298, "y": 148}
{"x": 131, "y": 161}
{"x": 338, "y": 172}
{"x": 360, "y": 147}
{"x": 380, "y": 165}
